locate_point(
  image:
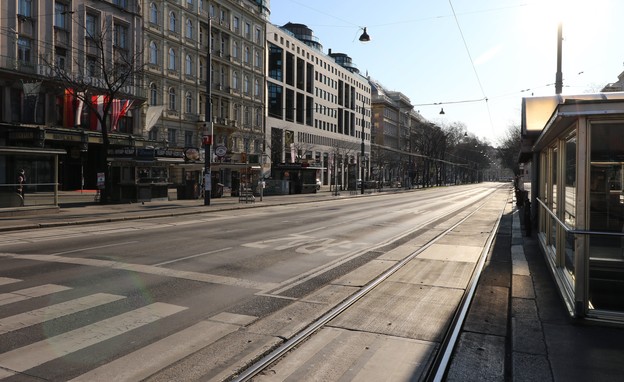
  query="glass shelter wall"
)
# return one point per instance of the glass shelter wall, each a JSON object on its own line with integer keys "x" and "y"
{"x": 606, "y": 214}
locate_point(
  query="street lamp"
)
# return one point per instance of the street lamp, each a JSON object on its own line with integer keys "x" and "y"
{"x": 207, "y": 138}
{"x": 363, "y": 148}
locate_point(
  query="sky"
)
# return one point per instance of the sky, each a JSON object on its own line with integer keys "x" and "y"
{"x": 474, "y": 58}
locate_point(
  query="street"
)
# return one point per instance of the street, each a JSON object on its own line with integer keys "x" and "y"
{"x": 127, "y": 299}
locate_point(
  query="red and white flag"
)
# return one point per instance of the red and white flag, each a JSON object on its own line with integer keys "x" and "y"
{"x": 120, "y": 108}
{"x": 98, "y": 105}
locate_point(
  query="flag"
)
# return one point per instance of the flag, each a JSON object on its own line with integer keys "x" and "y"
{"x": 98, "y": 111}
{"x": 120, "y": 108}
{"x": 79, "y": 103}
{"x": 68, "y": 108}
{"x": 152, "y": 116}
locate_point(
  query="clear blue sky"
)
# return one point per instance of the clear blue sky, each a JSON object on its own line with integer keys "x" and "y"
{"x": 441, "y": 51}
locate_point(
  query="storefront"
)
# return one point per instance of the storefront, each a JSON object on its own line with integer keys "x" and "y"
{"x": 577, "y": 194}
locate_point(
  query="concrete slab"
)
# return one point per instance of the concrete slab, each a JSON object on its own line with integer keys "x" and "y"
{"x": 477, "y": 239}
{"x": 456, "y": 252}
{"x": 478, "y": 357}
{"x": 488, "y": 311}
{"x": 531, "y": 368}
{"x": 331, "y": 294}
{"x": 522, "y": 286}
{"x": 450, "y": 274}
{"x": 355, "y": 356}
{"x": 402, "y": 310}
{"x": 364, "y": 274}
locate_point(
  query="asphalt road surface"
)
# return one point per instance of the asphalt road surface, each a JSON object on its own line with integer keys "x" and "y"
{"x": 125, "y": 300}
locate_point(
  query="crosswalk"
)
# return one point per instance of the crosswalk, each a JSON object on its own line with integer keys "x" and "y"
{"x": 149, "y": 359}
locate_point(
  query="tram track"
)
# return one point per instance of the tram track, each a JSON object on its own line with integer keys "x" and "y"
{"x": 438, "y": 363}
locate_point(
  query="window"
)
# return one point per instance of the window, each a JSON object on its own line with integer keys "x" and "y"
{"x": 60, "y": 14}
{"x": 235, "y": 49}
{"x": 121, "y": 3}
{"x": 153, "y": 13}
{"x": 153, "y": 56}
{"x": 91, "y": 66}
{"x": 246, "y": 84}
{"x": 60, "y": 57}
{"x": 24, "y": 49}
{"x": 189, "y": 65}
{"x": 258, "y": 36}
{"x": 189, "y": 29}
{"x": 257, "y": 88}
{"x": 91, "y": 25}
{"x": 247, "y": 56}
{"x": 247, "y": 31}
{"x": 24, "y": 8}
{"x": 172, "y": 99}
{"x": 189, "y": 103}
{"x": 172, "y": 59}
{"x": 236, "y": 24}
{"x": 235, "y": 81}
{"x": 257, "y": 59}
{"x": 153, "y": 94}
{"x": 121, "y": 36}
{"x": 172, "y": 135}
{"x": 172, "y": 22}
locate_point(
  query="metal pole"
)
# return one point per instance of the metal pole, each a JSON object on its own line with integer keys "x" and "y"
{"x": 559, "y": 75}
{"x": 363, "y": 153}
{"x": 207, "y": 139}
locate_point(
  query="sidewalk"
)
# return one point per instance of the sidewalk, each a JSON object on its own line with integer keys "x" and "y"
{"x": 80, "y": 208}
{"x": 518, "y": 328}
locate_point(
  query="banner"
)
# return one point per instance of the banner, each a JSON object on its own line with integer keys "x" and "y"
{"x": 119, "y": 109}
{"x": 98, "y": 106}
{"x": 153, "y": 114}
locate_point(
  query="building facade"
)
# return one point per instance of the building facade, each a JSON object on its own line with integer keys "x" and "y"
{"x": 47, "y": 49}
{"x": 318, "y": 108}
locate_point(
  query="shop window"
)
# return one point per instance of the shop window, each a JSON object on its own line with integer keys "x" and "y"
{"x": 569, "y": 212}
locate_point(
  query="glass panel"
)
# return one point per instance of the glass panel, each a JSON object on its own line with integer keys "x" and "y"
{"x": 553, "y": 201}
{"x": 606, "y": 213}
{"x": 570, "y": 202}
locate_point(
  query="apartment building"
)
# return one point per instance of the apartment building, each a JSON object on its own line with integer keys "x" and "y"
{"x": 318, "y": 109}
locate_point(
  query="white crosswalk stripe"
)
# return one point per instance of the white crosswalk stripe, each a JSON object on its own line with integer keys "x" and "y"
{"x": 33, "y": 355}
{"x": 8, "y": 280}
{"x": 34, "y": 317}
{"x": 28, "y": 293}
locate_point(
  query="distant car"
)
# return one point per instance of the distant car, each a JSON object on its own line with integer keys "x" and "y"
{"x": 318, "y": 184}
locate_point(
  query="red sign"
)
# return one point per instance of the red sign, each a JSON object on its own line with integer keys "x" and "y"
{"x": 207, "y": 139}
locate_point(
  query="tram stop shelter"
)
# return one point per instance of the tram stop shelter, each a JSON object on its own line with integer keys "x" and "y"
{"x": 574, "y": 146}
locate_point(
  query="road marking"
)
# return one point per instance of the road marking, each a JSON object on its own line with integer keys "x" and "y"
{"x": 91, "y": 248}
{"x": 191, "y": 257}
{"x": 38, "y": 353}
{"x": 149, "y": 269}
{"x": 160, "y": 354}
{"x": 8, "y": 280}
{"x": 38, "y": 316}
{"x": 28, "y": 293}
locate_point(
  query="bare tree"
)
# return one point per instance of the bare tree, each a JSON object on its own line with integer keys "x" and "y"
{"x": 108, "y": 69}
{"x": 509, "y": 149}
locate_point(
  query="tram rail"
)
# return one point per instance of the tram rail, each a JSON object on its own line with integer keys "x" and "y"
{"x": 439, "y": 362}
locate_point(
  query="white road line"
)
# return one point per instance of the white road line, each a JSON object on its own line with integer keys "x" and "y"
{"x": 160, "y": 354}
{"x": 36, "y": 354}
{"x": 8, "y": 280}
{"x": 28, "y": 293}
{"x": 91, "y": 248}
{"x": 37, "y": 316}
{"x": 191, "y": 257}
{"x": 149, "y": 269}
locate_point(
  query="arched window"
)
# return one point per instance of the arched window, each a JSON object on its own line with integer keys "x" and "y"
{"x": 247, "y": 57}
{"x": 235, "y": 81}
{"x": 172, "y": 98}
{"x": 153, "y": 56}
{"x": 172, "y": 22}
{"x": 153, "y": 94}
{"x": 201, "y": 74}
{"x": 153, "y": 14}
{"x": 172, "y": 59}
{"x": 257, "y": 59}
{"x": 189, "y": 65}
{"x": 189, "y": 29}
{"x": 257, "y": 88}
{"x": 235, "y": 49}
{"x": 189, "y": 103}
{"x": 246, "y": 84}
